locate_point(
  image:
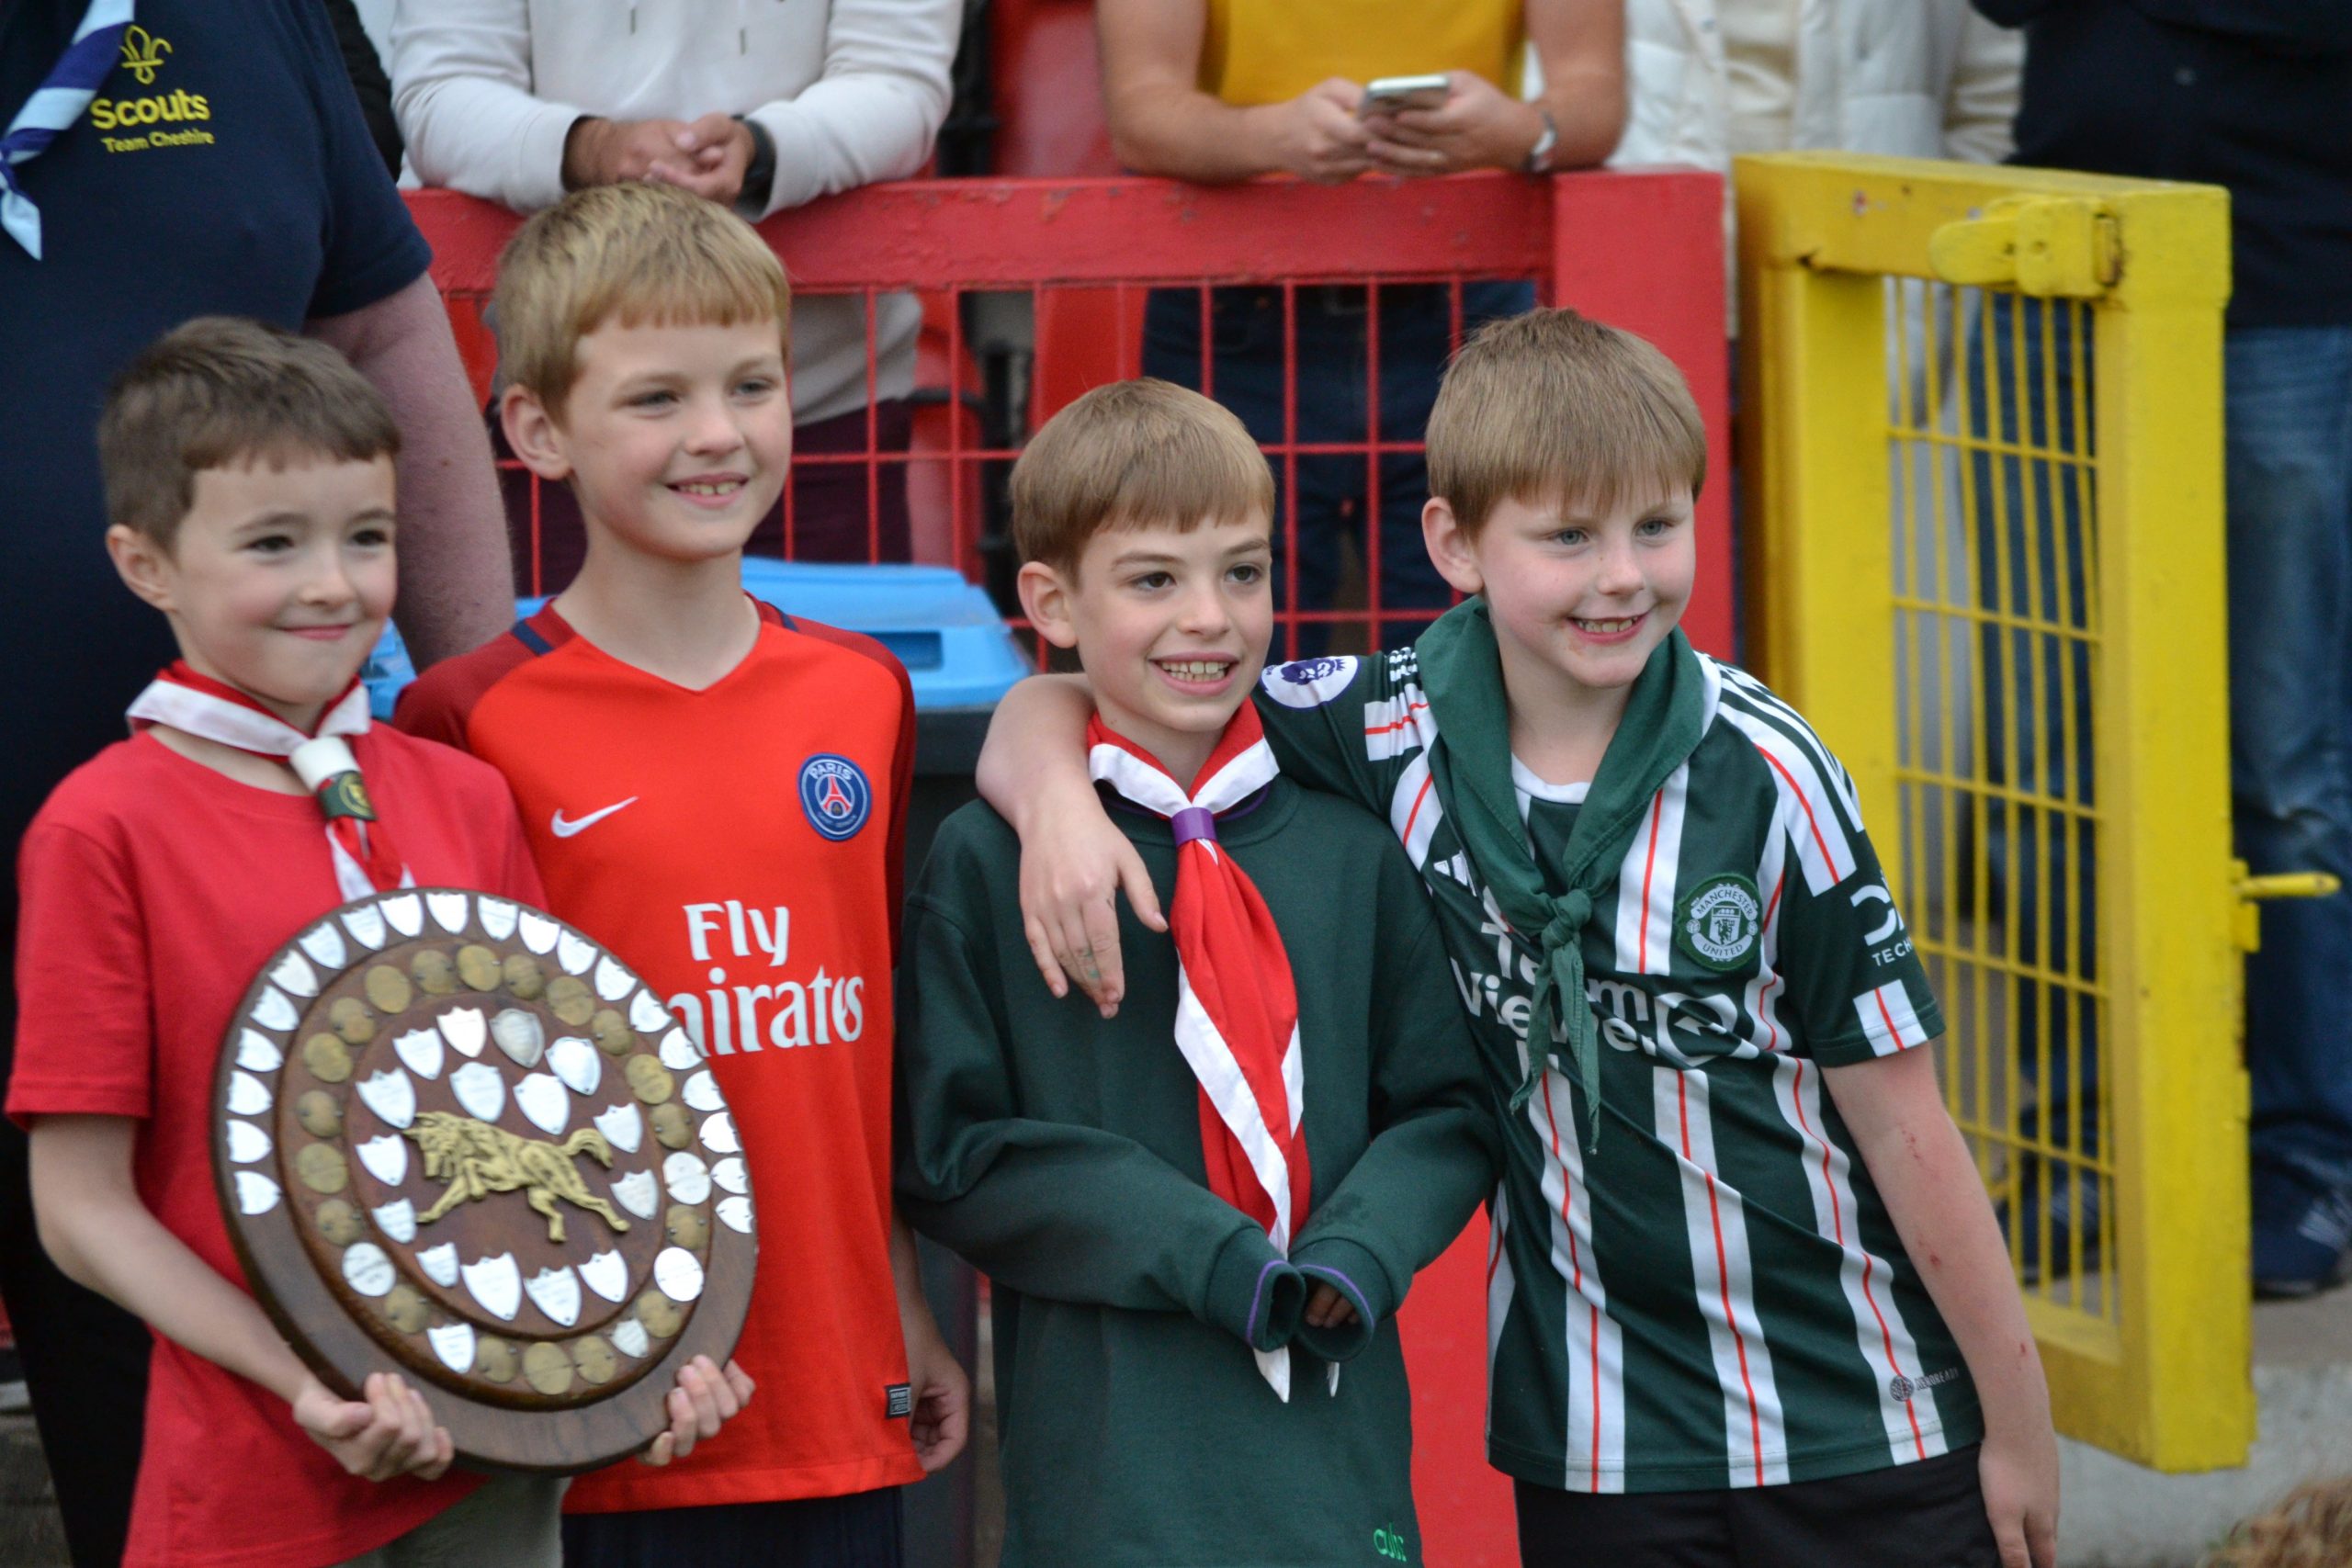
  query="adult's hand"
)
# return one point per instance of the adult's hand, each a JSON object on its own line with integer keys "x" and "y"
{"x": 607, "y": 151}
{"x": 1318, "y": 136}
{"x": 712, "y": 154}
{"x": 1479, "y": 126}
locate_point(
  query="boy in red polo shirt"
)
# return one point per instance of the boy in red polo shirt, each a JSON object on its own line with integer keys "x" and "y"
{"x": 719, "y": 792}
{"x": 249, "y": 485}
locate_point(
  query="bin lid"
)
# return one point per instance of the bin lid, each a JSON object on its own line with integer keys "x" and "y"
{"x": 957, "y": 648}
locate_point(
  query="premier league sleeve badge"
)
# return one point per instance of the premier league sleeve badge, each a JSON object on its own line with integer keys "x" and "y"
{"x": 456, "y": 1140}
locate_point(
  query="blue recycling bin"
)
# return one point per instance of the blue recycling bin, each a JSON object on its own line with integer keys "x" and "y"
{"x": 960, "y": 659}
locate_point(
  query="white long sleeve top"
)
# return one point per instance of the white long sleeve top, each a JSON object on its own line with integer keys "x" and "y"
{"x": 850, "y": 91}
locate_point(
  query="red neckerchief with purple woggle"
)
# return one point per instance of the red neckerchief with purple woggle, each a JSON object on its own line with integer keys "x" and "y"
{"x": 1237, "y": 1009}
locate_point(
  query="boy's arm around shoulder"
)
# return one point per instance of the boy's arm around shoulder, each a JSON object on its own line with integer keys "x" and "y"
{"x": 1051, "y": 1209}
{"x": 1895, "y": 1112}
{"x": 1433, "y": 1154}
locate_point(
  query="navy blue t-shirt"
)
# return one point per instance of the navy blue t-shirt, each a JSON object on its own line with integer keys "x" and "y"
{"x": 223, "y": 168}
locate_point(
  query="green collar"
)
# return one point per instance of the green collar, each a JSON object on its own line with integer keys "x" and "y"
{"x": 1462, "y": 674}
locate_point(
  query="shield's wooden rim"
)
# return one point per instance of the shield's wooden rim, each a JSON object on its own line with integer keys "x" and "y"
{"x": 282, "y": 1275}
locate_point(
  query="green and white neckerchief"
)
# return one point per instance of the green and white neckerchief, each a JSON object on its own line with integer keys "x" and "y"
{"x": 1461, "y": 675}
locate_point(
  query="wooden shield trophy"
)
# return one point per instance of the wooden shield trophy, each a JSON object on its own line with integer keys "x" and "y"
{"x": 456, "y": 1140}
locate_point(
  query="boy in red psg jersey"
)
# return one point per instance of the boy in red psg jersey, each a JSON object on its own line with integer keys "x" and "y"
{"x": 248, "y": 486}
{"x": 719, "y": 792}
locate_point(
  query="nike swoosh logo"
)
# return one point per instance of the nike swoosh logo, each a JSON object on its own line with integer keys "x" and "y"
{"x": 564, "y": 830}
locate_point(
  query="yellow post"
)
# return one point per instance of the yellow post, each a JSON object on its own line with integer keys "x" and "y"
{"x": 2149, "y": 1347}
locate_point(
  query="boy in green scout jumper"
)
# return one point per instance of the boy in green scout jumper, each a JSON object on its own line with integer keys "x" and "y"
{"x": 1750, "y": 1306}
{"x": 1198, "y": 1215}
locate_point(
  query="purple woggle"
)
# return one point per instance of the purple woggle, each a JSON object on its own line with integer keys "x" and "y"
{"x": 1194, "y": 822}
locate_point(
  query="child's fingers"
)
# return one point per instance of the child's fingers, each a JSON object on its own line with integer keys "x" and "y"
{"x": 443, "y": 1451}
{"x": 656, "y": 1452}
{"x": 1134, "y": 881}
{"x": 1041, "y": 952}
{"x": 741, "y": 1381}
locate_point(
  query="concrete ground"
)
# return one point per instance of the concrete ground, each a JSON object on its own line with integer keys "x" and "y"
{"x": 2115, "y": 1515}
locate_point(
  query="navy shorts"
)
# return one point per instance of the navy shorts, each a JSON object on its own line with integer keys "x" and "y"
{"x": 1929, "y": 1514}
{"x": 861, "y": 1531}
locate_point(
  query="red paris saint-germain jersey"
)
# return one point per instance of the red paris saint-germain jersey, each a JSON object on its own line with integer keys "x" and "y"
{"x": 740, "y": 846}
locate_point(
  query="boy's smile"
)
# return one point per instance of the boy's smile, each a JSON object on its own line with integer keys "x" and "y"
{"x": 677, "y": 437}
{"x": 1172, "y": 626}
{"x": 279, "y": 578}
{"x": 1579, "y": 597}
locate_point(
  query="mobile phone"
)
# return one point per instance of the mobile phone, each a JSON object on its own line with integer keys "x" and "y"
{"x": 1386, "y": 95}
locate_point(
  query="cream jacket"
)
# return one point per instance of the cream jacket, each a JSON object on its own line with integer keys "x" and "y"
{"x": 850, "y": 91}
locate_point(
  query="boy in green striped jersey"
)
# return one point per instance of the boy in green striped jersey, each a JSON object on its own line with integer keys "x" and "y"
{"x": 1749, "y": 1303}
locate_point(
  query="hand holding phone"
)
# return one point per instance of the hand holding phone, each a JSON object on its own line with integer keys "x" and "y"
{"x": 1388, "y": 94}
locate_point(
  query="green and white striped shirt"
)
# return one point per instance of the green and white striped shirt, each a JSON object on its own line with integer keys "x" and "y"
{"x": 1713, "y": 1295}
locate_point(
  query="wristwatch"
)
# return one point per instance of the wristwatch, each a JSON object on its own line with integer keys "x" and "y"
{"x": 1539, "y": 157}
{"x": 759, "y": 176}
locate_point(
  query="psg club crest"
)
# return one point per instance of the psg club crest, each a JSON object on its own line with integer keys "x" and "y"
{"x": 834, "y": 793}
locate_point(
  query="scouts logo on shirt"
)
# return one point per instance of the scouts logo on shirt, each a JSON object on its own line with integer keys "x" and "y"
{"x": 834, "y": 793}
{"x": 1718, "y": 923}
{"x": 1308, "y": 682}
{"x": 153, "y": 119}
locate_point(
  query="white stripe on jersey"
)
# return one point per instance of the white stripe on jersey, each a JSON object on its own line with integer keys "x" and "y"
{"x": 1716, "y": 1222}
{"x": 1766, "y": 700}
{"x": 1813, "y": 822}
{"x": 1596, "y": 1344}
{"x": 1889, "y": 1019}
{"x": 1498, "y": 1288}
{"x": 1645, "y": 882}
{"x": 1413, "y": 810}
{"x": 1914, "y": 1426}
{"x": 1393, "y": 725}
{"x": 1767, "y": 1032}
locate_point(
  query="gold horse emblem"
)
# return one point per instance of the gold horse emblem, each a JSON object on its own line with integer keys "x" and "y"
{"x": 476, "y": 1159}
{"x": 142, "y": 54}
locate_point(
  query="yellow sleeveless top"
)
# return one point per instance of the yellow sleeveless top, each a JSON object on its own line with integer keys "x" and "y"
{"x": 1264, "y": 51}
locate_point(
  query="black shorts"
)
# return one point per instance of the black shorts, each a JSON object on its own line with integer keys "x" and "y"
{"x": 861, "y": 1531}
{"x": 1929, "y": 1514}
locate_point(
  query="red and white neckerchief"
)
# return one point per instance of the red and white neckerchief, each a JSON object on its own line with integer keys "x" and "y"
{"x": 1237, "y": 1010}
{"x": 365, "y": 859}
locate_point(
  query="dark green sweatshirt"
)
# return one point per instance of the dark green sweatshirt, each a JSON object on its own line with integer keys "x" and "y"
{"x": 1062, "y": 1154}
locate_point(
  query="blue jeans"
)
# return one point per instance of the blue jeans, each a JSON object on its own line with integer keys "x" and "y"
{"x": 1333, "y": 406}
{"x": 2289, "y": 405}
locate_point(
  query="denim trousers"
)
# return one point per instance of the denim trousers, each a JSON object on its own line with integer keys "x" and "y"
{"x": 1331, "y": 346}
{"x": 2288, "y": 421}
{"x": 2290, "y": 401}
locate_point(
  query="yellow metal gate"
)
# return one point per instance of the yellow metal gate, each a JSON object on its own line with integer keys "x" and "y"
{"x": 1982, "y": 436}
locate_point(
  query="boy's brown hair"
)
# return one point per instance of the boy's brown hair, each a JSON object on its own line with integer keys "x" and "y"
{"x": 635, "y": 254}
{"x": 1133, "y": 454}
{"x": 220, "y": 389}
{"x": 2311, "y": 1528}
{"x": 1552, "y": 406}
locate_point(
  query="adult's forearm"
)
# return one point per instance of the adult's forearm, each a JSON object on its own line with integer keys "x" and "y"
{"x": 457, "y": 588}
{"x": 1589, "y": 112}
{"x": 1182, "y": 134}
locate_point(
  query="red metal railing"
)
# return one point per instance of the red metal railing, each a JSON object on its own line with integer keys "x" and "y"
{"x": 1640, "y": 249}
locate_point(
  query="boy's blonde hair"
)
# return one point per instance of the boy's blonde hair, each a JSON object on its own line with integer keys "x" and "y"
{"x": 218, "y": 390}
{"x": 637, "y": 253}
{"x": 1552, "y": 406}
{"x": 1133, "y": 454}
